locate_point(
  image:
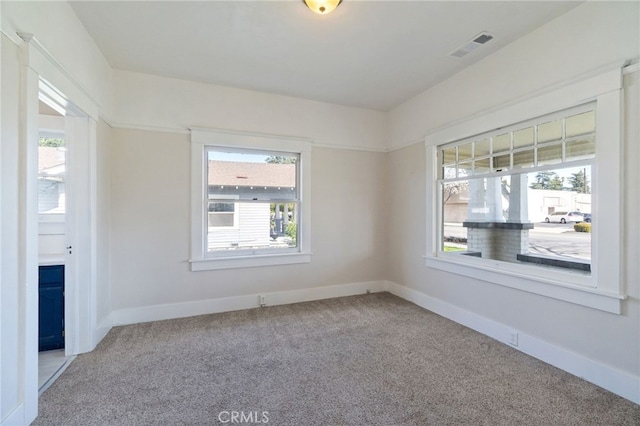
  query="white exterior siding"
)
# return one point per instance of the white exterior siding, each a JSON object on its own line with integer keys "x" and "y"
{"x": 254, "y": 225}
{"x": 252, "y": 230}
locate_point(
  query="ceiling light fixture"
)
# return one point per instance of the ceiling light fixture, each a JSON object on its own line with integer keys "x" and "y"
{"x": 322, "y": 7}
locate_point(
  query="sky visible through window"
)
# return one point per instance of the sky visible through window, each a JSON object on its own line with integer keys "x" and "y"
{"x": 238, "y": 157}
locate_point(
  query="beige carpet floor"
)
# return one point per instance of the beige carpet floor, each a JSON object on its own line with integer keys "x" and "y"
{"x": 363, "y": 360}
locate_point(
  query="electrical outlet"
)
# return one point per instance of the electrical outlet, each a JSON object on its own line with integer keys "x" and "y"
{"x": 513, "y": 338}
{"x": 262, "y": 300}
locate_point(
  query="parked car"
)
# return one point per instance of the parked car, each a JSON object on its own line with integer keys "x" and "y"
{"x": 587, "y": 217}
{"x": 565, "y": 217}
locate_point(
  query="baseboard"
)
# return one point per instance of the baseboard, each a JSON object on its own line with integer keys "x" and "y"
{"x": 619, "y": 382}
{"x": 16, "y": 418}
{"x": 236, "y": 303}
{"x": 102, "y": 330}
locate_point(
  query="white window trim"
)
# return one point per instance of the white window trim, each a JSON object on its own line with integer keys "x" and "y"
{"x": 200, "y": 139}
{"x": 604, "y": 289}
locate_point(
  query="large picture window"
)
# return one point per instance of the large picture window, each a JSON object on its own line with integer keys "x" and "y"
{"x": 525, "y": 195}
{"x": 250, "y": 200}
{"x": 522, "y": 195}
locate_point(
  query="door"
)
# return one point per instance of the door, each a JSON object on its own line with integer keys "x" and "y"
{"x": 51, "y": 308}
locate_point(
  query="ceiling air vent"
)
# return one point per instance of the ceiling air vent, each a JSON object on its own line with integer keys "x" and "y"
{"x": 472, "y": 45}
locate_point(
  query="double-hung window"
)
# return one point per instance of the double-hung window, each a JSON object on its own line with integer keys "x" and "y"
{"x": 250, "y": 200}
{"x": 528, "y": 195}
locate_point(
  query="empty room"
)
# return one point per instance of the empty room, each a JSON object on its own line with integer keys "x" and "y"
{"x": 319, "y": 212}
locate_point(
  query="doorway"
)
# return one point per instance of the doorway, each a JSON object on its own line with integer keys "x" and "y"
{"x": 63, "y": 282}
{"x": 43, "y": 79}
{"x": 52, "y": 148}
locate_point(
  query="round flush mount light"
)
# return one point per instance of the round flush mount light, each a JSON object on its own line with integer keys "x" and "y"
{"x": 322, "y": 7}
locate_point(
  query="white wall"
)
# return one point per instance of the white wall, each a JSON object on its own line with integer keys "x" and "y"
{"x": 589, "y": 36}
{"x": 150, "y": 189}
{"x": 150, "y": 225}
{"x": 57, "y": 27}
{"x": 166, "y": 103}
{"x": 11, "y": 334}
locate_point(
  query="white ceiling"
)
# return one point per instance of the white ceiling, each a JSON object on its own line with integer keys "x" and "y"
{"x": 370, "y": 54}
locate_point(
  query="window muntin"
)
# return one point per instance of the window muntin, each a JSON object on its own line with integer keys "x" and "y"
{"x": 539, "y": 167}
{"x": 569, "y": 138}
{"x": 263, "y": 217}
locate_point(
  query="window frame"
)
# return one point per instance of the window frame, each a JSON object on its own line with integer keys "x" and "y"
{"x": 604, "y": 289}
{"x": 202, "y": 140}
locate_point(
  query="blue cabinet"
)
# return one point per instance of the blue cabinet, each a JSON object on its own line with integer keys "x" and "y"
{"x": 51, "y": 308}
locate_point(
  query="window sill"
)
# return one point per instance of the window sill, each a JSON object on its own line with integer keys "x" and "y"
{"x": 249, "y": 261}
{"x": 554, "y": 288}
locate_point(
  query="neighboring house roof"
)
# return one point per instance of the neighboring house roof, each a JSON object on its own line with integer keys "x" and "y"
{"x": 252, "y": 174}
{"x": 51, "y": 161}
